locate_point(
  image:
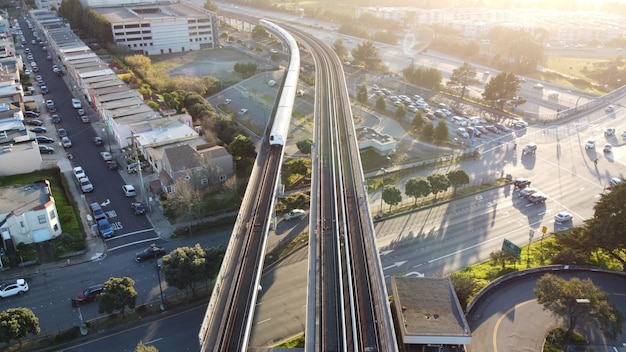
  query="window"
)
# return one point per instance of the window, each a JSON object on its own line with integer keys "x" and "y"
{"x": 56, "y": 227}
{"x": 42, "y": 219}
{"x": 204, "y": 181}
{"x": 187, "y": 177}
{"x": 52, "y": 214}
{"x": 22, "y": 224}
{"x": 223, "y": 178}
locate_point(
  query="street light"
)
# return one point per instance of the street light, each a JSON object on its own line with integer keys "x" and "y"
{"x": 155, "y": 250}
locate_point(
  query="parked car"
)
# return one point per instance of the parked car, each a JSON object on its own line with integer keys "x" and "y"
{"x": 462, "y": 132}
{"x": 138, "y": 208}
{"x": 97, "y": 140}
{"x": 33, "y": 122}
{"x": 227, "y": 101}
{"x": 56, "y": 118}
{"x": 473, "y": 131}
{"x": 105, "y": 228}
{"x": 520, "y": 124}
{"x": 44, "y": 149}
{"x": 112, "y": 165}
{"x": 482, "y": 129}
{"x": 31, "y": 114}
{"x": 563, "y": 217}
{"x": 62, "y": 132}
{"x": 106, "y": 156}
{"x": 129, "y": 190}
{"x": 85, "y": 185}
{"x": 492, "y": 129}
{"x": 88, "y": 295}
{"x": 607, "y": 148}
{"x": 614, "y": 181}
{"x": 76, "y": 104}
{"x": 590, "y": 144}
{"x": 39, "y": 129}
{"x": 50, "y": 105}
{"x": 44, "y": 139}
{"x": 85, "y": 119}
{"x": 151, "y": 252}
{"x": 294, "y": 214}
{"x": 96, "y": 210}
{"x": 521, "y": 183}
{"x": 79, "y": 172}
{"x": 13, "y": 287}
{"x": 530, "y": 148}
{"x": 502, "y": 127}
{"x": 66, "y": 141}
{"x": 609, "y": 108}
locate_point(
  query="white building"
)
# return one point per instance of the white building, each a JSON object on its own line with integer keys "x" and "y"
{"x": 153, "y": 29}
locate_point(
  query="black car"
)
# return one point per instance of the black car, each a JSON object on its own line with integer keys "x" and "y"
{"x": 112, "y": 165}
{"x": 39, "y": 129}
{"x": 34, "y": 122}
{"x": 151, "y": 252}
{"x": 56, "y": 118}
{"x": 492, "y": 129}
{"x": 44, "y": 149}
{"x": 138, "y": 208}
{"x": 88, "y": 295}
{"x": 44, "y": 139}
{"x": 522, "y": 183}
{"x": 31, "y": 114}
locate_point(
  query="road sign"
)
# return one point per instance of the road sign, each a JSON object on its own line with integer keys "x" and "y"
{"x": 510, "y": 247}
{"x": 544, "y": 230}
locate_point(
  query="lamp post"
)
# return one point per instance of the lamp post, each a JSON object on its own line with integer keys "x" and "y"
{"x": 155, "y": 250}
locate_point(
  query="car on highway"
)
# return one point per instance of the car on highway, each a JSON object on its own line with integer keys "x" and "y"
{"x": 138, "y": 208}
{"x": 106, "y": 156}
{"x": 129, "y": 190}
{"x": 44, "y": 139}
{"x": 609, "y": 132}
{"x": 13, "y": 287}
{"x": 85, "y": 185}
{"x": 294, "y": 214}
{"x": 538, "y": 86}
{"x": 530, "y": 148}
{"x": 153, "y": 251}
{"x": 563, "y": 217}
{"x": 522, "y": 183}
{"x": 88, "y": 295}
{"x": 590, "y": 144}
{"x": 614, "y": 181}
{"x": 537, "y": 197}
{"x": 44, "y": 149}
{"x": 609, "y": 108}
{"x": 526, "y": 192}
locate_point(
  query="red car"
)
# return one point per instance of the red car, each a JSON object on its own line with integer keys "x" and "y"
{"x": 88, "y": 295}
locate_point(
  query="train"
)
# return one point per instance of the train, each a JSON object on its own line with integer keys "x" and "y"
{"x": 282, "y": 119}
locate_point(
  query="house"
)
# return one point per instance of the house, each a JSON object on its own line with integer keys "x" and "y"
{"x": 28, "y": 215}
{"x": 205, "y": 166}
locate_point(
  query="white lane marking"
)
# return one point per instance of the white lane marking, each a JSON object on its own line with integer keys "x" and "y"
{"x": 134, "y": 243}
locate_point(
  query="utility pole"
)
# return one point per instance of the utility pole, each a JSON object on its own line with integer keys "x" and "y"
{"x": 134, "y": 137}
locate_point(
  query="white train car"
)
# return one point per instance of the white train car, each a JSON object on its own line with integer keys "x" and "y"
{"x": 282, "y": 119}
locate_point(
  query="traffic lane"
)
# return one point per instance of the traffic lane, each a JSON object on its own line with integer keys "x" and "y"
{"x": 509, "y": 303}
{"x": 156, "y": 331}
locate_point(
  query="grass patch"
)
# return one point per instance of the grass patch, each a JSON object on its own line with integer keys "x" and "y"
{"x": 286, "y": 248}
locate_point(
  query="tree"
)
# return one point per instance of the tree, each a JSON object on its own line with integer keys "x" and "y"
{"x": 145, "y": 348}
{"x": 441, "y": 133}
{"x": 118, "y": 294}
{"x": 400, "y": 112}
{"x": 300, "y": 166}
{"x": 259, "y": 33}
{"x": 361, "y": 94}
{"x": 304, "y": 145}
{"x": 209, "y": 5}
{"x": 417, "y": 187}
{"x": 465, "y": 286}
{"x": 381, "y": 104}
{"x": 501, "y": 88}
{"x": 428, "y": 132}
{"x": 185, "y": 200}
{"x": 458, "y": 178}
{"x": 574, "y": 247}
{"x": 579, "y": 302}
{"x": 438, "y": 183}
{"x": 16, "y": 323}
{"x": 340, "y": 49}
{"x": 184, "y": 267}
{"x": 145, "y": 91}
{"x": 425, "y": 77}
{"x": 242, "y": 147}
{"x": 392, "y": 195}
{"x": 418, "y": 120}
{"x": 213, "y": 260}
{"x": 502, "y": 257}
{"x": 367, "y": 54}
{"x": 463, "y": 77}
{"x": 606, "y": 227}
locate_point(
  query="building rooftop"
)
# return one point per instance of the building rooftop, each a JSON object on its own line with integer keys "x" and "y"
{"x": 21, "y": 199}
{"x": 163, "y": 11}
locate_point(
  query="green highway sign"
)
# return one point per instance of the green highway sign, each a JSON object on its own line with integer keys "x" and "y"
{"x": 510, "y": 247}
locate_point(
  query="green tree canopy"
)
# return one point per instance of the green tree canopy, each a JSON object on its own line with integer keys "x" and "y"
{"x": 428, "y": 132}
{"x": 392, "y": 195}
{"x": 441, "y": 133}
{"x": 242, "y": 147}
{"x": 463, "y": 77}
{"x": 579, "y": 302}
{"x": 458, "y": 178}
{"x": 417, "y": 187}
{"x": 305, "y": 145}
{"x": 400, "y": 112}
{"x": 418, "y": 120}
{"x": 340, "y": 49}
{"x": 367, "y": 54}
{"x": 259, "y": 33}
{"x": 146, "y": 348}
{"x": 184, "y": 267}
{"x": 425, "y": 77}
{"x": 381, "y": 104}
{"x": 118, "y": 294}
{"x": 501, "y": 88}
{"x": 16, "y": 323}
{"x": 465, "y": 285}
{"x": 438, "y": 183}
{"x": 361, "y": 94}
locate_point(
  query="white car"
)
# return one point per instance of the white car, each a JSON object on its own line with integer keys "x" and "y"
{"x": 520, "y": 124}
{"x": 129, "y": 190}
{"x": 590, "y": 144}
{"x": 106, "y": 156}
{"x": 616, "y": 181}
{"x": 85, "y": 185}
{"x": 294, "y": 214}
{"x": 609, "y": 108}
{"x": 79, "y": 172}
{"x": 76, "y": 103}
{"x": 563, "y": 217}
{"x": 11, "y": 288}
{"x": 538, "y": 86}
{"x": 462, "y": 132}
